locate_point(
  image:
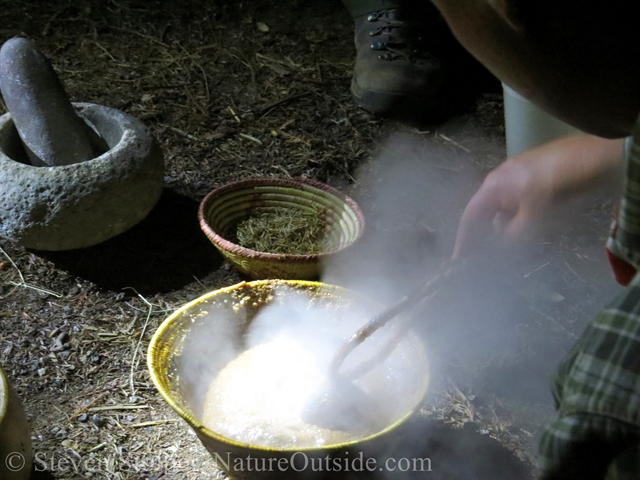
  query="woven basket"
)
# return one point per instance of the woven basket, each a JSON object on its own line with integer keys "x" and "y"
{"x": 223, "y": 208}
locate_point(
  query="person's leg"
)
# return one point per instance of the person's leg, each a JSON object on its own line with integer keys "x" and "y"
{"x": 394, "y": 74}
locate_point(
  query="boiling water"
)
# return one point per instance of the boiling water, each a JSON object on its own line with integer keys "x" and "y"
{"x": 258, "y": 398}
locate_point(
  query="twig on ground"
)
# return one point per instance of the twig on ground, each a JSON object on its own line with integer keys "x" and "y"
{"x": 135, "y": 352}
{"x": 264, "y": 110}
{"x": 108, "y": 408}
{"x": 106, "y": 52}
{"x": 152, "y": 423}
{"x": 204, "y": 74}
{"x": 182, "y": 133}
{"x": 23, "y": 283}
{"x": 535, "y": 270}
{"x": 251, "y": 138}
{"x": 141, "y": 35}
{"x": 573, "y": 271}
{"x": 555, "y": 322}
{"x": 444, "y": 137}
{"x": 234, "y": 114}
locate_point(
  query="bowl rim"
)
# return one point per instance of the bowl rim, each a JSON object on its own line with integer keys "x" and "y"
{"x": 296, "y": 182}
{"x": 4, "y": 395}
{"x": 195, "y": 424}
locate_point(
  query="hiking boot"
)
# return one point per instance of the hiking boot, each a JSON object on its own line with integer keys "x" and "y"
{"x": 393, "y": 73}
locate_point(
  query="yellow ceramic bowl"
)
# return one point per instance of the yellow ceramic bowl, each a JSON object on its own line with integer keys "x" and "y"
{"x": 180, "y": 378}
{"x": 223, "y": 208}
{"x": 15, "y": 439}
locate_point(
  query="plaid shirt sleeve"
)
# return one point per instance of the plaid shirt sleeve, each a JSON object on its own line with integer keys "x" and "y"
{"x": 596, "y": 431}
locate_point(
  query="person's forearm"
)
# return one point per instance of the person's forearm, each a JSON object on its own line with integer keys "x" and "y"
{"x": 580, "y": 164}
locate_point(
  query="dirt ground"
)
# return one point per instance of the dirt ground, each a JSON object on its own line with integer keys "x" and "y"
{"x": 232, "y": 90}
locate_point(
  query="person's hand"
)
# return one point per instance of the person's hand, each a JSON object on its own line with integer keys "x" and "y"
{"x": 525, "y": 190}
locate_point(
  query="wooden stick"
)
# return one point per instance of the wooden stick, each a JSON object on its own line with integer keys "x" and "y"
{"x": 425, "y": 292}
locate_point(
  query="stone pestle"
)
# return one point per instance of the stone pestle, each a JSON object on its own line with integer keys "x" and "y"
{"x": 51, "y": 131}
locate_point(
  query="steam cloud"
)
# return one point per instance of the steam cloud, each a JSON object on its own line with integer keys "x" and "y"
{"x": 413, "y": 194}
{"x": 503, "y": 327}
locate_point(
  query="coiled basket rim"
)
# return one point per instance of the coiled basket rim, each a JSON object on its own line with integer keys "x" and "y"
{"x": 296, "y": 183}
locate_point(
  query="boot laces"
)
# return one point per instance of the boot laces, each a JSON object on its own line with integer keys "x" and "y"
{"x": 399, "y": 39}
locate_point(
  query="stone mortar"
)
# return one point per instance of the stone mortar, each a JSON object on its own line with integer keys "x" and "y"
{"x": 79, "y": 205}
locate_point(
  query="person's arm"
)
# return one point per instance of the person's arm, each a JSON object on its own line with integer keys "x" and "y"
{"x": 582, "y": 446}
{"x": 598, "y": 398}
{"x": 524, "y": 189}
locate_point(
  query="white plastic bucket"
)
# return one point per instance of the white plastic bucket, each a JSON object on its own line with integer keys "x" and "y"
{"x": 527, "y": 125}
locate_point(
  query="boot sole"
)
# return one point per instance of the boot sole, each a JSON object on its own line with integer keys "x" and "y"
{"x": 392, "y": 104}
